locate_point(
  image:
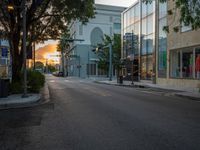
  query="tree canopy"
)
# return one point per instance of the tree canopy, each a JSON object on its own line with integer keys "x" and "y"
{"x": 45, "y": 19}
{"x": 103, "y": 54}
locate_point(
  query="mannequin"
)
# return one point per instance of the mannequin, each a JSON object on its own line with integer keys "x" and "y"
{"x": 197, "y": 64}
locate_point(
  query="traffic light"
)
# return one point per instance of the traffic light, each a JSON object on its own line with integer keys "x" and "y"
{"x": 97, "y": 49}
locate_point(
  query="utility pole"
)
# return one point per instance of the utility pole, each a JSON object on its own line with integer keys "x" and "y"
{"x": 110, "y": 61}
{"x": 34, "y": 55}
{"x": 24, "y": 48}
{"x": 79, "y": 66}
{"x": 88, "y": 68}
{"x": 63, "y": 63}
{"x": 132, "y": 59}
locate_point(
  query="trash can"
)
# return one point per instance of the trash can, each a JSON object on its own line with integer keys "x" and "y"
{"x": 4, "y": 88}
{"x": 121, "y": 79}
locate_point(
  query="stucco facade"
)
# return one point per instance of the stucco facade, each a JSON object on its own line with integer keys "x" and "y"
{"x": 81, "y": 61}
{"x": 182, "y": 53}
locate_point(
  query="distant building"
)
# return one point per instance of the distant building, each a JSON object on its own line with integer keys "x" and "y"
{"x": 81, "y": 61}
{"x": 170, "y": 59}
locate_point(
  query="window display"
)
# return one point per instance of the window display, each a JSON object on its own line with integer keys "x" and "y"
{"x": 197, "y": 63}
{"x": 187, "y": 60}
{"x": 185, "y": 63}
{"x": 175, "y": 64}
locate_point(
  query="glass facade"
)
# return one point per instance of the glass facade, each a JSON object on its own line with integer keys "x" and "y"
{"x": 182, "y": 63}
{"x": 162, "y": 41}
{"x": 131, "y": 33}
{"x": 147, "y": 38}
{"x": 138, "y": 37}
{"x": 131, "y": 25}
{"x": 139, "y": 23}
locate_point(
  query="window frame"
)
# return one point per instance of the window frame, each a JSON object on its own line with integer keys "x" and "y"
{"x": 193, "y": 49}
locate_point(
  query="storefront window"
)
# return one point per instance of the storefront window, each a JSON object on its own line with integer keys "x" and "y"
{"x": 149, "y": 67}
{"x": 187, "y": 64}
{"x": 184, "y": 64}
{"x": 197, "y": 63}
{"x": 175, "y": 64}
{"x": 143, "y": 68}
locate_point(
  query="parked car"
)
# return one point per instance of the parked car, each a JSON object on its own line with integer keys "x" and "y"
{"x": 58, "y": 74}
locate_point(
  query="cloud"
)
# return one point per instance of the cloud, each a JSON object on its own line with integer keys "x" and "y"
{"x": 42, "y": 52}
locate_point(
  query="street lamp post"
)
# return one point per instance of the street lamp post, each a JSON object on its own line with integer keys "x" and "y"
{"x": 79, "y": 66}
{"x": 24, "y": 49}
{"x": 110, "y": 61}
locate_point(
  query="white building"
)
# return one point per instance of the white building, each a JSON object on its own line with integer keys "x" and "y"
{"x": 81, "y": 61}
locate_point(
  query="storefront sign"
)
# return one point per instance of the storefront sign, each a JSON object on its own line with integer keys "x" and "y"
{"x": 4, "y": 43}
{"x": 4, "y": 52}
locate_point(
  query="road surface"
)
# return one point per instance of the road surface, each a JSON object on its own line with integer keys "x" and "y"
{"x": 83, "y": 115}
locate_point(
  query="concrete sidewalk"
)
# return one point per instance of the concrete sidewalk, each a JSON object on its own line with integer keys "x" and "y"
{"x": 177, "y": 92}
{"x": 16, "y": 100}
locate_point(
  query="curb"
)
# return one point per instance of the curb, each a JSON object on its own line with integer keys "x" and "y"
{"x": 156, "y": 88}
{"x": 188, "y": 97}
{"x": 118, "y": 84}
{"x": 42, "y": 99}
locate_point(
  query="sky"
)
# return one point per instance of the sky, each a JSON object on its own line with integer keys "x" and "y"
{"x": 124, "y": 3}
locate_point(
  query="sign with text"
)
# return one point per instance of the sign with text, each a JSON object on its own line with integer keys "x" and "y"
{"x": 4, "y": 43}
{"x": 4, "y": 52}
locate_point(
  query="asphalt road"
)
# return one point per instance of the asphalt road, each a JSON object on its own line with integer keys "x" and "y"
{"x": 88, "y": 116}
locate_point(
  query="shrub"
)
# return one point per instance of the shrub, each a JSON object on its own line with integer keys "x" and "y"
{"x": 35, "y": 80}
{"x": 16, "y": 87}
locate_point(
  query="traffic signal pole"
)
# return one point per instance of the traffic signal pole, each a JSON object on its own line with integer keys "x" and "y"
{"x": 110, "y": 61}
{"x": 24, "y": 49}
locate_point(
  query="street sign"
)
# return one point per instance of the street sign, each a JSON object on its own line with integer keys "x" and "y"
{"x": 4, "y": 43}
{"x": 4, "y": 52}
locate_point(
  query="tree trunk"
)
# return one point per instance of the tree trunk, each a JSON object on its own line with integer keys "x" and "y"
{"x": 17, "y": 60}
